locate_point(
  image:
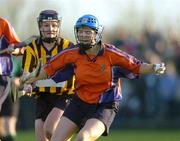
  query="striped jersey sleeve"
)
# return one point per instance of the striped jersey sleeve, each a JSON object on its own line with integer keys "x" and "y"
{"x": 35, "y": 51}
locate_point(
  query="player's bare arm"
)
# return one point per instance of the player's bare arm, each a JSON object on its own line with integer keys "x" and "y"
{"x": 158, "y": 69}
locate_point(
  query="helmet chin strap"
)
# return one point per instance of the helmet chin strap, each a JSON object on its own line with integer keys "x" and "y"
{"x": 84, "y": 46}
{"x": 87, "y": 46}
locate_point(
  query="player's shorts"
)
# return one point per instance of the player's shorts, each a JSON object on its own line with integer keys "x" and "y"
{"x": 3, "y": 82}
{"x": 46, "y": 102}
{"x": 104, "y": 112}
{"x": 8, "y": 107}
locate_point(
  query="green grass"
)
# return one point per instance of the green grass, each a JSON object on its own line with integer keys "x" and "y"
{"x": 143, "y": 135}
{"x": 122, "y": 135}
{"x": 25, "y": 136}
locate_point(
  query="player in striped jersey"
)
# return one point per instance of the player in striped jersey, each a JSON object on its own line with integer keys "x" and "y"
{"x": 51, "y": 97}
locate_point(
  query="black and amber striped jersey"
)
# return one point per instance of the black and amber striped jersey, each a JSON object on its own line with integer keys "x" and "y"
{"x": 35, "y": 51}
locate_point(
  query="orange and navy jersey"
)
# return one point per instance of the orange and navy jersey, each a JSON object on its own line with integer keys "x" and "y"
{"x": 7, "y": 37}
{"x": 114, "y": 93}
{"x": 35, "y": 51}
{"x": 93, "y": 73}
{"x": 7, "y": 31}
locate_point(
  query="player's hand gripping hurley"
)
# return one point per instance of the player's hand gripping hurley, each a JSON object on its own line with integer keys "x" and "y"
{"x": 15, "y": 90}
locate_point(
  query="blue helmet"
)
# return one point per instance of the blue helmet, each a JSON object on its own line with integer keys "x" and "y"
{"x": 91, "y": 22}
{"x": 88, "y": 21}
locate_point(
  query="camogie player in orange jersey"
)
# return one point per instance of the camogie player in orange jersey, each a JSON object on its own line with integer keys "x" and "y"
{"x": 8, "y": 109}
{"x": 96, "y": 100}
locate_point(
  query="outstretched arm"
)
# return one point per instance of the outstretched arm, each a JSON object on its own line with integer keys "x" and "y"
{"x": 18, "y": 48}
{"x": 152, "y": 68}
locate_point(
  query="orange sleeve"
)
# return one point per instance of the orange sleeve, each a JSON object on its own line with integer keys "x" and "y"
{"x": 67, "y": 56}
{"x": 10, "y": 33}
{"x": 124, "y": 60}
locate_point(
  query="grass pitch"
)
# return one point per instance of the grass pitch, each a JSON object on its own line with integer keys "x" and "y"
{"x": 122, "y": 135}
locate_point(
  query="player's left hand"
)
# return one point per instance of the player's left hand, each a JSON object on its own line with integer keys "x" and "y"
{"x": 159, "y": 68}
{"x": 32, "y": 77}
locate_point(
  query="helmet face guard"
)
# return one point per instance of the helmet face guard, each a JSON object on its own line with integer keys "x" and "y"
{"x": 91, "y": 22}
{"x": 48, "y": 16}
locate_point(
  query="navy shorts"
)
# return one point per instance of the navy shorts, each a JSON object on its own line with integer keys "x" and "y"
{"x": 8, "y": 107}
{"x": 46, "y": 102}
{"x": 79, "y": 112}
{"x": 3, "y": 80}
